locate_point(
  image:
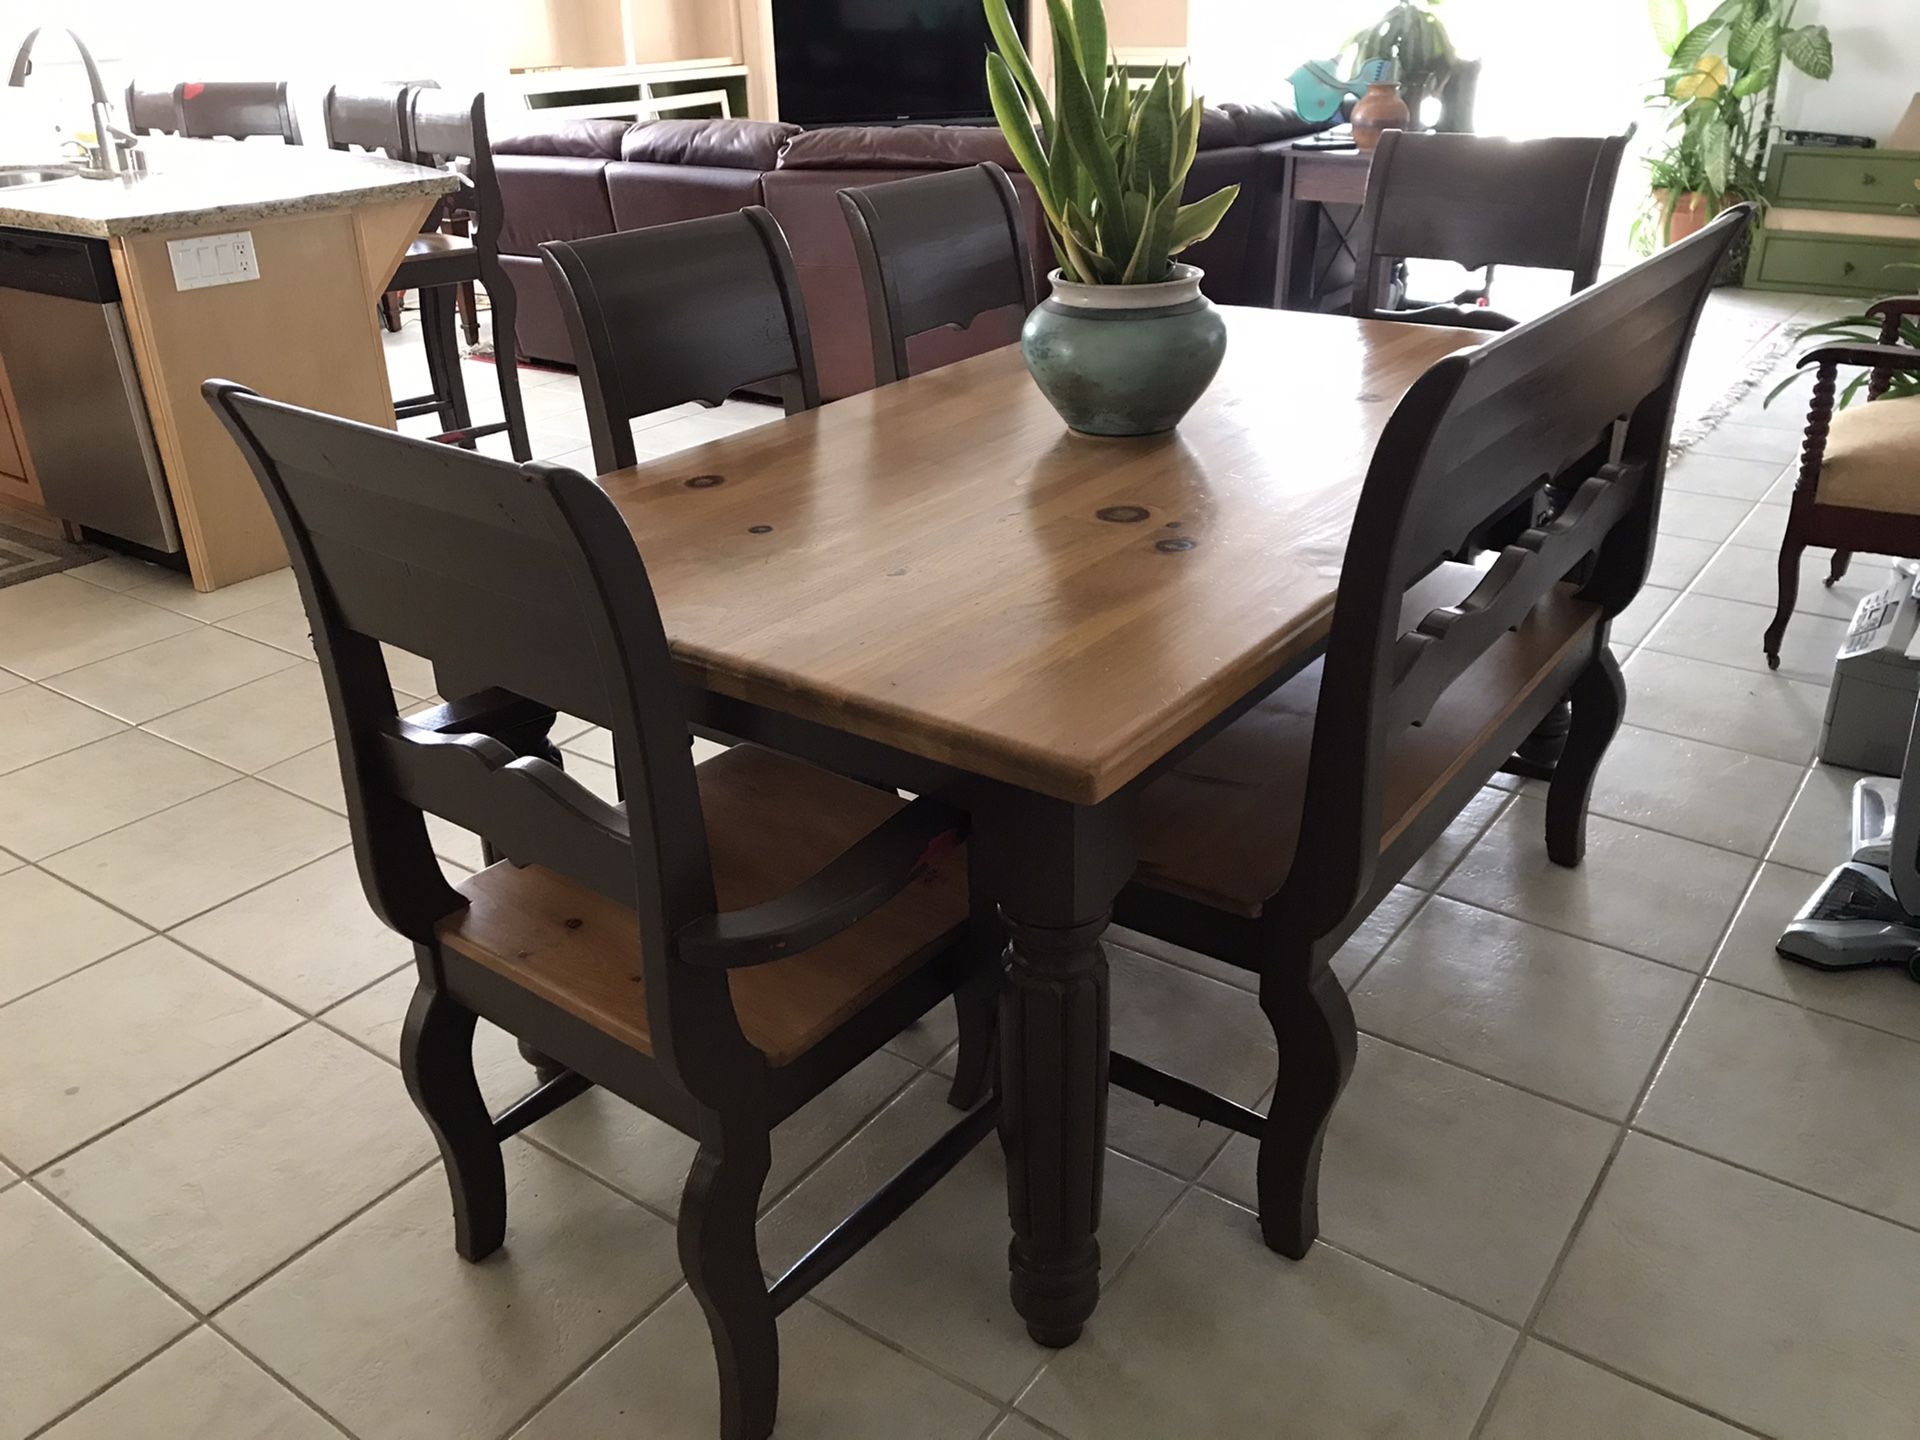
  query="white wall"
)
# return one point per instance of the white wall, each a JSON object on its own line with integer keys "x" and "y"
{"x": 1876, "y": 68}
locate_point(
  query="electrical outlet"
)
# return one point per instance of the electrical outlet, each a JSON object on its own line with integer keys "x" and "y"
{"x": 204, "y": 260}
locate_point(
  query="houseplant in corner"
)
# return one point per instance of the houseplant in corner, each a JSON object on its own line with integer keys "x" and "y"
{"x": 1126, "y": 343}
{"x": 1723, "y": 76}
{"x": 1415, "y": 39}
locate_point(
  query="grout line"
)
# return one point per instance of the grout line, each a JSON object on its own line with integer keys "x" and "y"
{"x": 99, "y": 1390}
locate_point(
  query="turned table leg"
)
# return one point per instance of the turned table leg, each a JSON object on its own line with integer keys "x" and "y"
{"x": 1053, "y": 1040}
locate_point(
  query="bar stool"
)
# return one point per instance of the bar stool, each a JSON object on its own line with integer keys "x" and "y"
{"x": 446, "y": 132}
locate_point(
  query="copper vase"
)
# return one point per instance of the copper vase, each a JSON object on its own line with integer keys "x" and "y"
{"x": 1380, "y": 109}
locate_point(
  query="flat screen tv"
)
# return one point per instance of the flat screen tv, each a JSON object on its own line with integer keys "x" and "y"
{"x": 865, "y": 62}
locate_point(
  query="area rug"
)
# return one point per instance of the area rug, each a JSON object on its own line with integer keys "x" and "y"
{"x": 26, "y": 556}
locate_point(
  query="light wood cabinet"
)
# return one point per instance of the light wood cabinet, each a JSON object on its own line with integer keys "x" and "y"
{"x": 18, "y": 484}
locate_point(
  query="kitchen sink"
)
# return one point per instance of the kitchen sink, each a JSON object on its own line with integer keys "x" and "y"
{"x": 14, "y": 176}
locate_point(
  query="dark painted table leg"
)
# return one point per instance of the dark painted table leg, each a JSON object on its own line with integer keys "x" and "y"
{"x": 1054, "y": 1035}
{"x": 1054, "y": 869}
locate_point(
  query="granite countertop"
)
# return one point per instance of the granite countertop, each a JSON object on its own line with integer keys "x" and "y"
{"x": 194, "y": 184}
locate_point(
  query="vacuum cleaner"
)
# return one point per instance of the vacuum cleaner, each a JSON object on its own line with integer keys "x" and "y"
{"x": 1864, "y": 913}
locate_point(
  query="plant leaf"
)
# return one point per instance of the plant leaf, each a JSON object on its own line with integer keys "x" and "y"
{"x": 1140, "y": 215}
{"x": 1081, "y": 128}
{"x": 1669, "y": 19}
{"x": 1694, "y": 43}
{"x": 1194, "y": 223}
{"x": 1006, "y": 39}
{"x": 1153, "y": 136}
{"x": 1754, "y": 81}
{"x": 1004, "y": 94}
{"x": 1810, "y": 48}
{"x": 1090, "y": 25}
{"x": 1716, "y": 155}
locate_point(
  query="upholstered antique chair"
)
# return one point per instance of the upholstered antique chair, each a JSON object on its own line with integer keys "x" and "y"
{"x": 1859, "y": 481}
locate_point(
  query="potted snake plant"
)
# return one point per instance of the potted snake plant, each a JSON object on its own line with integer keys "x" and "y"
{"x": 1126, "y": 343}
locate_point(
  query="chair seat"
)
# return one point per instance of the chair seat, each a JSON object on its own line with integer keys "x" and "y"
{"x": 1872, "y": 460}
{"x": 436, "y": 259}
{"x": 1223, "y": 826}
{"x": 772, "y": 822}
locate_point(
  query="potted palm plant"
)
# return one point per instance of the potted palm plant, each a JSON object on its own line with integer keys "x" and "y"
{"x": 1723, "y": 77}
{"x": 1126, "y": 343}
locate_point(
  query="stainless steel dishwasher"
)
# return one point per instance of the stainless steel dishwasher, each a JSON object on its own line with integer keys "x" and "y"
{"x": 81, "y": 412}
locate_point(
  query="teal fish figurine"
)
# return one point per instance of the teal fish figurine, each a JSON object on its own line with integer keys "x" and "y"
{"x": 1318, "y": 88}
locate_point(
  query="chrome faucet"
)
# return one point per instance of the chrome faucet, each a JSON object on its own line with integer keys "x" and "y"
{"x": 112, "y": 144}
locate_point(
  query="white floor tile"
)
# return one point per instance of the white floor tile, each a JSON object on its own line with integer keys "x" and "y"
{"x": 1554, "y": 1014}
{"x": 52, "y": 930}
{"x": 203, "y": 1388}
{"x": 481, "y": 1345}
{"x": 1818, "y": 833}
{"x": 175, "y": 592}
{"x": 1748, "y": 710}
{"x": 1553, "y": 1394}
{"x": 1705, "y": 471}
{"x": 1636, "y": 890}
{"x": 1700, "y": 517}
{"x": 58, "y": 623}
{"x": 1405, "y": 1177}
{"x": 188, "y": 859}
{"x": 106, "y": 1042}
{"x": 1338, "y": 1347}
{"x": 257, "y": 724}
{"x": 74, "y": 1314}
{"x": 1780, "y": 1310}
{"x": 82, "y": 793}
{"x": 1729, "y": 632}
{"x": 1694, "y": 790}
{"x": 835, "y": 1384}
{"x": 231, "y": 1177}
{"x": 35, "y": 723}
{"x": 170, "y": 674}
{"x": 1815, "y": 1101}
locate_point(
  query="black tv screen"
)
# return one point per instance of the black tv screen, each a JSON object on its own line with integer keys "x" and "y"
{"x": 846, "y": 62}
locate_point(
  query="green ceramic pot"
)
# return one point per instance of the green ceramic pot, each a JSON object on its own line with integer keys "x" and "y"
{"x": 1125, "y": 359}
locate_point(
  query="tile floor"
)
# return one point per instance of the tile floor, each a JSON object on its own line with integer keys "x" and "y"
{"x": 1608, "y": 1168}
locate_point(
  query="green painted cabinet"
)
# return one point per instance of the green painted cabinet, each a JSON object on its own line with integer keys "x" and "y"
{"x": 1821, "y": 255}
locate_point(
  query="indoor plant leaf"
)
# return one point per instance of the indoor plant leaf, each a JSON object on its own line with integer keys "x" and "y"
{"x": 1716, "y": 156}
{"x": 1694, "y": 44}
{"x": 1003, "y": 92}
{"x": 1669, "y": 19}
{"x": 1090, "y": 28}
{"x": 1006, "y": 40}
{"x": 1194, "y": 223}
{"x": 1810, "y": 48}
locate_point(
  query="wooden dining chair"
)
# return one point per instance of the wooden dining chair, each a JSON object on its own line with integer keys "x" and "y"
{"x": 1272, "y": 841}
{"x": 937, "y": 251}
{"x": 446, "y": 131}
{"x": 687, "y": 312}
{"x": 153, "y": 109}
{"x": 371, "y": 119}
{"x": 236, "y": 110}
{"x": 1480, "y": 201}
{"x": 1859, "y": 482}
{"x": 717, "y": 950}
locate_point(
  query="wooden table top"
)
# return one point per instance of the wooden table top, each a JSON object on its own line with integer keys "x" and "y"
{"x": 927, "y": 564}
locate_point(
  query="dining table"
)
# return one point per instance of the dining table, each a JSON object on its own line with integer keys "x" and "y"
{"x": 937, "y": 586}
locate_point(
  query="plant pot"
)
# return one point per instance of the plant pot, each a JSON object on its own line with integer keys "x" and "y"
{"x": 1379, "y": 110}
{"x": 1124, "y": 359}
{"x": 1687, "y": 215}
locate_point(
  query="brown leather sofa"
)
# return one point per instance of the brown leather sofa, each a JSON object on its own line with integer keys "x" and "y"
{"x": 591, "y": 177}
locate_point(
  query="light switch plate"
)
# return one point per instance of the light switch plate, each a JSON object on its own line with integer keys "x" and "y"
{"x": 203, "y": 260}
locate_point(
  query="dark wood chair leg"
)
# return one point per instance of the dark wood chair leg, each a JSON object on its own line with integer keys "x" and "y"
{"x": 443, "y": 358}
{"x": 1837, "y": 571}
{"x": 436, "y": 1057}
{"x": 1789, "y": 574}
{"x": 1599, "y": 700}
{"x": 469, "y": 313}
{"x": 721, "y": 1259}
{"x": 1314, "y": 1028}
{"x": 545, "y": 1067}
{"x": 506, "y": 363}
{"x": 390, "y": 311}
{"x": 978, "y": 1008}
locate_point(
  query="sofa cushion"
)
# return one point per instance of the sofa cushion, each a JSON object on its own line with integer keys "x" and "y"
{"x": 1265, "y": 123}
{"x": 896, "y": 147}
{"x": 581, "y": 139}
{"x": 550, "y": 197}
{"x": 725, "y": 144}
{"x": 1873, "y": 457}
{"x": 644, "y": 195}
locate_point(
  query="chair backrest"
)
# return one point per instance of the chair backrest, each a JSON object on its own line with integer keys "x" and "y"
{"x": 937, "y": 250}
{"x": 371, "y": 118}
{"x": 236, "y": 109}
{"x": 447, "y": 131}
{"x": 528, "y": 577}
{"x": 1581, "y": 398}
{"x": 152, "y": 108}
{"x": 1481, "y": 200}
{"x": 691, "y": 311}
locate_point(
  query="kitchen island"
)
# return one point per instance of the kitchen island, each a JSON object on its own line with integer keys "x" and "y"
{"x": 255, "y": 262}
